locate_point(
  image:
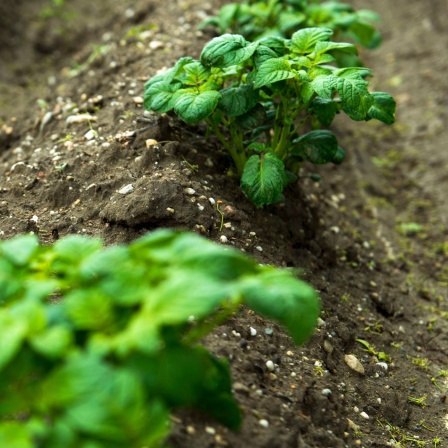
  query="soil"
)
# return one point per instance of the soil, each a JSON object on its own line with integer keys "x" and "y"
{"x": 371, "y": 236}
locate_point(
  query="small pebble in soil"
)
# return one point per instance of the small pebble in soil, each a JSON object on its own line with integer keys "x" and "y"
{"x": 210, "y": 430}
{"x": 326, "y": 392}
{"x": 191, "y": 430}
{"x": 253, "y": 331}
{"x": 259, "y": 248}
{"x": 383, "y": 365}
{"x": 352, "y": 425}
{"x": 354, "y": 364}
{"x": 150, "y": 142}
{"x": 223, "y": 239}
{"x": 272, "y": 376}
{"x": 321, "y": 323}
{"x": 212, "y": 201}
{"x": 200, "y": 207}
{"x": 79, "y": 118}
{"x": 264, "y": 423}
{"x": 328, "y": 347}
{"x": 126, "y": 189}
{"x": 268, "y": 331}
{"x": 364, "y": 415}
{"x": 190, "y": 191}
{"x": 89, "y": 135}
{"x": 270, "y": 365}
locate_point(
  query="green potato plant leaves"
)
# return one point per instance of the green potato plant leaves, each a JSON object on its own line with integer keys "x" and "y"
{"x": 195, "y": 106}
{"x": 270, "y": 92}
{"x": 264, "y": 178}
{"x": 100, "y": 345}
{"x": 256, "y": 20}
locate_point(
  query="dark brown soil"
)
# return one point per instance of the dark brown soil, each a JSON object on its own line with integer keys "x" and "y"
{"x": 372, "y": 236}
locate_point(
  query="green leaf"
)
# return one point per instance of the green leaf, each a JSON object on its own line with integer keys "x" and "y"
{"x": 306, "y": 92}
{"x": 169, "y": 75}
{"x": 353, "y": 72}
{"x": 288, "y": 21}
{"x": 75, "y": 248}
{"x": 15, "y": 435}
{"x": 192, "y": 107}
{"x": 356, "y": 99}
{"x": 118, "y": 276}
{"x": 89, "y": 309}
{"x": 226, "y": 15}
{"x": 304, "y": 40}
{"x": 277, "y": 44}
{"x": 183, "y": 294}
{"x": 238, "y": 100}
{"x": 273, "y": 70}
{"x": 20, "y": 249}
{"x": 263, "y": 179}
{"x": 198, "y": 380}
{"x": 318, "y": 147}
{"x": 339, "y": 156}
{"x": 159, "y": 97}
{"x": 258, "y": 147}
{"x": 252, "y": 119}
{"x": 383, "y": 108}
{"x": 262, "y": 54}
{"x": 227, "y": 50}
{"x": 365, "y": 34}
{"x": 12, "y": 334}
{"x": 324, "y": 109}
{"x": 194, "y": 254}
{"x": 324, "y": 85}
{"x": 53, "y": 343}
{"x": 195, "y": 74}
{"x": 324, "y": 47}
{"x": 277, "y": 294}
{"x": 116, "y": 413}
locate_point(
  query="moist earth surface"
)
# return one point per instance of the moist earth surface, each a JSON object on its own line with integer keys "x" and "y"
{"x": 371, "y": 236}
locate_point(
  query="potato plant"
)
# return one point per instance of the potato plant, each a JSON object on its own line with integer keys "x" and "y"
{"x": 99, "y": 345}
{"x": 259, "y": 98}
{"x": 256, "y": 19}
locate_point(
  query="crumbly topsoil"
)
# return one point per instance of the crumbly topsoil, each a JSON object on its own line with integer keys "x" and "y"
{"x": 371, "y": 236}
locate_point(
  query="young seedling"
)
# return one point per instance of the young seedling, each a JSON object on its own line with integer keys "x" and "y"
{"x": 259, "y": 99}
{"x": 382, "y": 356}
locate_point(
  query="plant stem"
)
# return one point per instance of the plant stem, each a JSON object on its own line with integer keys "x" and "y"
{"x": 237, "y": 151}
{"x": 280, "y": 148}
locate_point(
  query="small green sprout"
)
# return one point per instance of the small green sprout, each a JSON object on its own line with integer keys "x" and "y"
{"x": 376, "y": 328}
{"x": 422, "y": 363}
{"x": 382, "y": 356}
{"x": 418, "y": 401}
